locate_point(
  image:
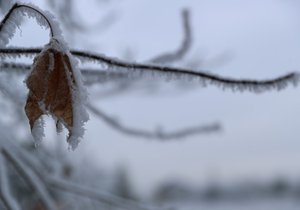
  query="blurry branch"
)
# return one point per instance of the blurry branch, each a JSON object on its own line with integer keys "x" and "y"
{"x": 212, "y": 62}
{"x": 107, "y": 21}
{"x": 164, "y": 58}
{"x": 185, "y": 44}
{"x": 5, "y": 194}
{"x": 57, "y": 183}
{"x": 5, "y": 5}
{"x": 95, "y": 195}
{"x": 110, "y": 121}
{"x": 126, "y": 85}
{"x": 206, "y": 78}
{"x": 19, "y": 68}
{"x": 119, "y": 87}
{"x": 67, "y": 14}
{"x": 41, "y": 181}
{"x": 170, "y": 57}
{"x": 65, "y": 11}
{"x": 30, "y": 177}
{"x": 180, "y": 134}
{"x": 94, "y": 76}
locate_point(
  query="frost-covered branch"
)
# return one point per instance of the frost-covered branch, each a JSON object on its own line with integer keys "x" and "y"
{"x": 186, "y": 43}
{"x": 10, "y": 15}
{"x": 91, "y": 76}
{"x": 170, "y": 73}
{"x": 180, "y": 134}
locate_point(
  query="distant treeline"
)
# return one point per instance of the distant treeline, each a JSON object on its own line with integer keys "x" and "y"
{"x": 277, "y": 188}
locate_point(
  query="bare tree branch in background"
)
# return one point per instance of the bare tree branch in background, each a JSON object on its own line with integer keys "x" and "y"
{"x": 159, "y": 134}
{"x": 185, "y": 44}
{"x": 165, "y": 58}
{"x": 70, "y": 18}
{"x": 5, "y": 5}
{"x": 65, "y": 11}
{"x": 125, "y": 85}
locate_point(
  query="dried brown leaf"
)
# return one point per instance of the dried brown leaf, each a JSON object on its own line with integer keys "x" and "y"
{"x": 50, "y": 85}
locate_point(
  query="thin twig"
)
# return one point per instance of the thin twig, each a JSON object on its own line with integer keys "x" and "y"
{"x": 16, "y": 6}
{"x": 165, "y": 58}
{"x": 277, "y": 83}
{"x": 153, "y": 135}
{"x": 185, "y": 44}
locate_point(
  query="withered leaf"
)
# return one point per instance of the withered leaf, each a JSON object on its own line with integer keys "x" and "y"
{"x": 50, "y": 85}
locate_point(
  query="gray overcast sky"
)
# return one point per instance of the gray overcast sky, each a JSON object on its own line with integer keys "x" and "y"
{"x": 261, "y": 135}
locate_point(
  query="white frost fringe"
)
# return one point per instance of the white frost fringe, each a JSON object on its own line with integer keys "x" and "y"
{"x": 79, "y": 100}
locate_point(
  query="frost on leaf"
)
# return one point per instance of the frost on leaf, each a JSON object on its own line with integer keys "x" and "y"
{"x": 55, "y": 88}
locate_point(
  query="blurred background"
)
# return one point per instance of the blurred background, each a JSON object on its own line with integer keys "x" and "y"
{"x": 250, "y": 162}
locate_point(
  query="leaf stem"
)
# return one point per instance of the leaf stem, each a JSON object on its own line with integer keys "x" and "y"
{"x": 17, "y": 6}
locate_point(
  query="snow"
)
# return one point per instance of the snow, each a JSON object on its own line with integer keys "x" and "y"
{"x": 79, "y": 98}
{"x": 43, "y": 18}
{"x": 38, "y": 131}
{"x": 32, "y": 13}
{"x": 9, "y": 28}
